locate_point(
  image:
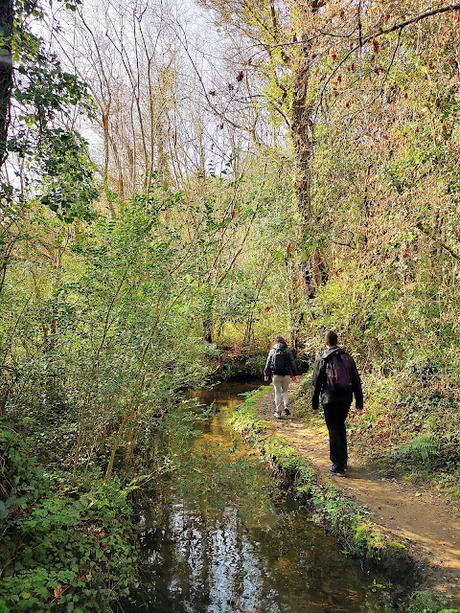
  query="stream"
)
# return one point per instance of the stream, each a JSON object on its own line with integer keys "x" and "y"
{"x": 220, "y": 537}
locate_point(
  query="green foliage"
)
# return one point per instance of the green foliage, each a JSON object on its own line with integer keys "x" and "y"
{"x": 65, "y": 543}
{"x": 411, "y": 424}
{"x": 425, "y": 602}
{"x": 51, "y": 161}
{"x": 105, "y": 342}
{"x": 423, "y": 448}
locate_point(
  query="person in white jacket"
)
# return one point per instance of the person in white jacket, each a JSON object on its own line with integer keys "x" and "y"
{"x": 280, "y": 367}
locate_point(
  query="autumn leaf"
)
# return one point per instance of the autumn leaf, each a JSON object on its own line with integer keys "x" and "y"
{"x": 375, "y": 45}
{"x": 58, "y": 592}
{"x": 240, "y": 76}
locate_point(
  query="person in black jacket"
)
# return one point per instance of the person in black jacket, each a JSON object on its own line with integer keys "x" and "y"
{"x": 336, "y": 380}
{"x": 280, "y": 367}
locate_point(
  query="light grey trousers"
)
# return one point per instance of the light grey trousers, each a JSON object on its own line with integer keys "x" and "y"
{"x": 281, "y": 385}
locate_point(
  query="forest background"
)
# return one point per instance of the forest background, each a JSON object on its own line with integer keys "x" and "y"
{"x": 180, "y": 183}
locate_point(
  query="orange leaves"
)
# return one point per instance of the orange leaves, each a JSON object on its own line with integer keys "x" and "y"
{"x": 58, "y": 591}
{"x": 333, "y": 55}
{"x": 266, "y": 309}
{"x": 375, "y": 45}
{"x": 302, "y": 184}
{"x": 335, "y": 272}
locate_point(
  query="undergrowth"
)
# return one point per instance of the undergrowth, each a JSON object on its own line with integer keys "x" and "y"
{"x": 410, "y": 427}
{"x": 66, "y": 544}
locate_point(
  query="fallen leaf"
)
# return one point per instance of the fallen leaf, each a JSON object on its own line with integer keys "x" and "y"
{"x": 58, "y": 592}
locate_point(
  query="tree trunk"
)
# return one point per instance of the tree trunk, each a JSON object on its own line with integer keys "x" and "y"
{"x": 303, "y": 282}
{"x": 6, "y": 73}
{"x": 310, "y": 261}
{"x": 208, "y": 308}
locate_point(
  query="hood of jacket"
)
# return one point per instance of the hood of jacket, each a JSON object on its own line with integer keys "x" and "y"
{"x": 329, "y": 352}
{"x": 280, "y": 346}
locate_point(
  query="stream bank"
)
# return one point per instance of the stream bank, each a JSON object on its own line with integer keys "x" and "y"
{"x": 292, "y": 449}
{"x": 218, "y": 535}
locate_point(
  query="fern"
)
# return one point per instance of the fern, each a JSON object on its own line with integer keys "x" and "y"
{"x": 422, "y": 447}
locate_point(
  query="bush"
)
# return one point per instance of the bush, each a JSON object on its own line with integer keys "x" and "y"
{"x": 423, "y": 602}
{"x": 66, "y": 544}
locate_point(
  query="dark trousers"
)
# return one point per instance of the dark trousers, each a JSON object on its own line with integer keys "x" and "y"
{"x": 335, "y": 415}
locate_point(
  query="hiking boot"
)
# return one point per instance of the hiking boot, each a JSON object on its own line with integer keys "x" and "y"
{"x": 287, "y": 412}
{"x": 337, "y": 471}
{"x": 277, "y": 415}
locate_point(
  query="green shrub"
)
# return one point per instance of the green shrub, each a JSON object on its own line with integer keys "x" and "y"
{"x": 65, "y": 544}
{"x": 424, "y": 602}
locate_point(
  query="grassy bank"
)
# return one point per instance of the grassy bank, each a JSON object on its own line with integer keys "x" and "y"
{"x": 351, "y": 524}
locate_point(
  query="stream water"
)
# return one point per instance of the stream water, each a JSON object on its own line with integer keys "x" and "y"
{"x": 219, "y": 537}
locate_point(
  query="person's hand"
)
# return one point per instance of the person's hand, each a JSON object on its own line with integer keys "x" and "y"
{"x": 266, "y": 378}
{"x": 294, "y": 377}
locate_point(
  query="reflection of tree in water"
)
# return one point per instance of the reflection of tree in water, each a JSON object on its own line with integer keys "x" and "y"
{"x": 217, "y": 567}
{"x": 216, "y": 542}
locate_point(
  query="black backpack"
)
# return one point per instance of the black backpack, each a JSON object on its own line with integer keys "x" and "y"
{"x": 280, "y": 361}
{"x": 339, "y": 372}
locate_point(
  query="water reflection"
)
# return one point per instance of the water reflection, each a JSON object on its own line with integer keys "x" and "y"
{"x": 217, "y": 539}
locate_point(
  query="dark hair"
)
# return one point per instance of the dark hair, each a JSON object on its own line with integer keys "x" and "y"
{"x": 280, "y": 339}
{"x": 331, "y": 338}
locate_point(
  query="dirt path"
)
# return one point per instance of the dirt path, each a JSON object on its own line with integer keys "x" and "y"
{"x": 421, "y": 516}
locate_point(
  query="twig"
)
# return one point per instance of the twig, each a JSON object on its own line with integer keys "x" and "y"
{"x": 428, "y": 232}
{"x": 382, "y": 32}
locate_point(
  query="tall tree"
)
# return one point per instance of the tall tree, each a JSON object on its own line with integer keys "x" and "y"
{"x": 6, "y": 72}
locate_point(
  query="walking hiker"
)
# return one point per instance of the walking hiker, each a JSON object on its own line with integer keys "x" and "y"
{"x": 280, "y": 367}
{"x": 335, "y": 381}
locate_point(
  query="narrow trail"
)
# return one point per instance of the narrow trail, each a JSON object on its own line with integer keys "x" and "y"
{"x": 421, "y": 516}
